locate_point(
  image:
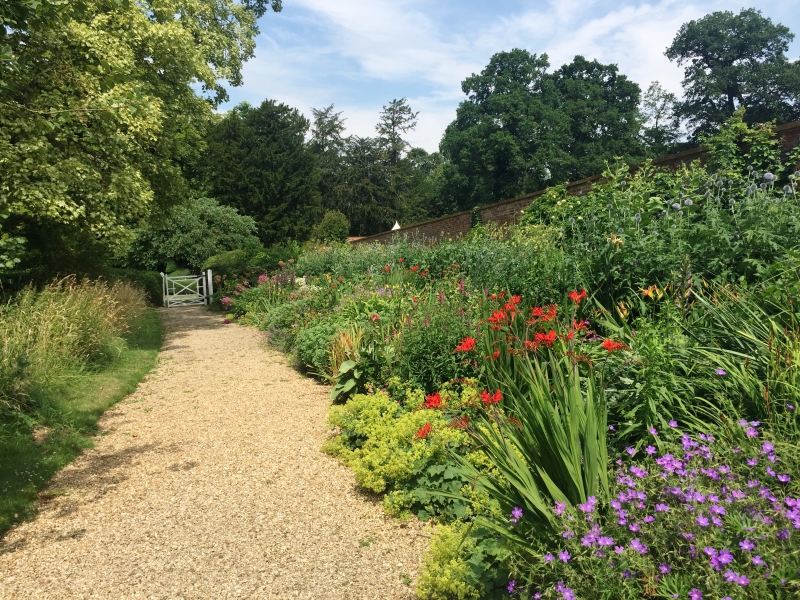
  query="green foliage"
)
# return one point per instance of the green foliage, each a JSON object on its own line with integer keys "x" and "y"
{"x": 69, "y": 405}
{"x": 149, "y": 281}
{"x": 497, "y": 147}
{"x": 378, "y": 440}
{"x": 441, "y": 323}
{"x": 735, "y": 62}
{"x": 194, "y": 233}
{"x": 462, "y": 564}
{"x": 66, "y": 326}
{"x": 258, "y": 162}
{"x": 334, "y": 227}
{"x": 682, "y": 519}
{"x": 662, "y": 226}
{"x": 312, "y": 346}
{"x": 100, "y": 113}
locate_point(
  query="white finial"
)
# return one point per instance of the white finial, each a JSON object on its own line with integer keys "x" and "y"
{"x": 396, "y": 226}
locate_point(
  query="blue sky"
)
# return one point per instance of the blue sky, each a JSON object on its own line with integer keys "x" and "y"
{"x": 360, "y": 54}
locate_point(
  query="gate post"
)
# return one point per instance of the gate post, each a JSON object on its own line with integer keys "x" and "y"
{"x": 163, "y": 290}
{"x": 210, "y": 288}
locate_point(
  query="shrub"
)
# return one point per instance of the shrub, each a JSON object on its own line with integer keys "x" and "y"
{"x": 334, "y": 227}
{"x": 196, "y": 231}
{"x": 462, "y": 564}
{"x": 312, "y": 346}
{"x": 384, "y": 443}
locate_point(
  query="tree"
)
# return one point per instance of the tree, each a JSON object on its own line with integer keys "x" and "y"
{"x": 735, "y": 61}
{"x": 334, "y": 227}
{"x": 193, "y": 233}
{"x": 395, "y": 120}
{"x": 603, "y": 110}
{"x": 328, "y": 143}
{"x": 660, "y": 127}
{"x": 99, "y": 112}
{"x": 504, "y": 135}
{"x": 521, "y": 128}
{"x": 365, "y": 195}
{"x": 258, "y": 162}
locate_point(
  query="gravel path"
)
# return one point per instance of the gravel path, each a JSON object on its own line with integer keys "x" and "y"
{"x": 208, "y": 482}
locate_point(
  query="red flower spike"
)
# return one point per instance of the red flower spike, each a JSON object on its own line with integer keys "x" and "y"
{"x": 515, "y": 300}
{"x": 496, "y": 354}
{"x": 414, "y": 269}
{"x": 612, "y": 346}
{"x": 387, "y": 268}
{"x": 577, "y": 297}
{"x": 423, "y": 432}
{"x": 433, "y": 401}
{"x": 467, "y": 344}
{"x": 490, "y": 399}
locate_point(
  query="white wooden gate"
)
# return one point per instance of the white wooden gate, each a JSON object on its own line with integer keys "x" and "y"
{"x": 187, "y": 290}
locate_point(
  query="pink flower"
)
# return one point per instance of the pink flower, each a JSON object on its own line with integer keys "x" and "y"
{"x": 225, "y": 301}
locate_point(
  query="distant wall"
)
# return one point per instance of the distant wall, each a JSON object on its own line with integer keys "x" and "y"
{"x": 508, "y": 211}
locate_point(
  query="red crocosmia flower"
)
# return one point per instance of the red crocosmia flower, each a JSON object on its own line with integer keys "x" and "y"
{"x": 543, "y": 315}
{"x": 467, "y": 344}
{"x": 493, "y": 296}
{"x": 490, "y": 399}
{"x": 579, "y": 325}
{"x": 577, "y": 297}
{"x": 613, "y": 346}
{"x": 401, "y": 259}
{"x": 387, "y": 268}
{"x": 545, "y": 339}
{"x": 496, "y": 354}
{"x": 375, "y": 317}
{"x": 515, "y": 299}
{"x": 423, "y": 432}
{"x": 414, "y": 269}
{"x": 529, "y": 345}
{"x": 433, "y": 401}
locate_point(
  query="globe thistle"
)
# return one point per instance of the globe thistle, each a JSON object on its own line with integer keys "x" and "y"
{"x": 688, "y": 202}
{"x": 637, "y": 217}
{"x": 787, "y": 189}
{"x": 769, "y": 177}
{"x": 676, "y": 206}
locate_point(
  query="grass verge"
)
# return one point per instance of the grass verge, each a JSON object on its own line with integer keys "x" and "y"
{"x": 69, "y": 410}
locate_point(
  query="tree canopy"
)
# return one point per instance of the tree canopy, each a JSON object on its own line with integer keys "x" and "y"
{"x": 522, "y": 127}
{"x": 732, "y": 62}
{"x": 258, "y": 162}
{"x": 99, "y": 109}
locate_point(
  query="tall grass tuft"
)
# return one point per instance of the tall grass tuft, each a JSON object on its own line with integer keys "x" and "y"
{"x": 68, "y": 325}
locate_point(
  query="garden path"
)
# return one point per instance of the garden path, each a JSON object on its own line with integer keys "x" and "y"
{"x": 208, "y": 482}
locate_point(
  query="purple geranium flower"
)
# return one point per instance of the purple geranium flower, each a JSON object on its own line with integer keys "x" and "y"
{"x": 564, "y": 556}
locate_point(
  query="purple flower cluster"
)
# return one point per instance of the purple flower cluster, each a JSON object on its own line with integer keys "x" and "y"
{"x": 700, "y": 511}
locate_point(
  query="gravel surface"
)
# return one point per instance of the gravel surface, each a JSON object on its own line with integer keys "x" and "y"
{"x": 208, "y": 482}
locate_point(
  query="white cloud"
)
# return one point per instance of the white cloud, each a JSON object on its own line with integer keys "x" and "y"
{"x": 360, "y": 54}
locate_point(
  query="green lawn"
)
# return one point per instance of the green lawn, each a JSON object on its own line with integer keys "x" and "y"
{"x": 70, "y": 409}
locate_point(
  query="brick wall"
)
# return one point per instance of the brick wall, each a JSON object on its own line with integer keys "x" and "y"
{"x": 509, "y": 211}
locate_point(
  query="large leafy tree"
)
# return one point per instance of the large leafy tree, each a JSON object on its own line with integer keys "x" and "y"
{"x": 603, "y": 111}
{"x": 194, "y": 232}
{"x": 522, "y": 127}
{"x": 100, "y": 111}
{"x": 732, "y": 62}
{"x": 507, "y": 137}
{"x": 661, "y": 132}
{"x": 259, "y": 162}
